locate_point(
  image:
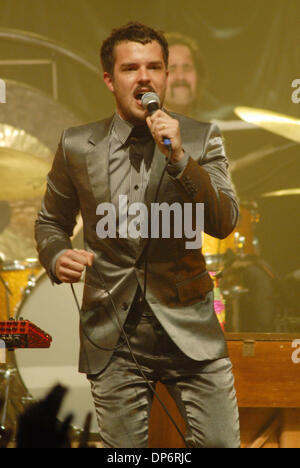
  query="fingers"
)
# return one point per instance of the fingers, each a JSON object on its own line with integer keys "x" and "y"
{"x": 71, "y": 264}
{"x": 88, "y": 255}
{"x": 84, "y": 438}
{"x": 65, "y": 429}
{"x": 54, "y": 398}
{"x": 39, "y": 425}
{"x": 163, "y": 126}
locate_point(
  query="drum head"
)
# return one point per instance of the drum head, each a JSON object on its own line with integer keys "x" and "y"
{"x": 53, "y": 309}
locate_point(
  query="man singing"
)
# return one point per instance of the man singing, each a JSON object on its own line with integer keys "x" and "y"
{"x": 169, "y": 319}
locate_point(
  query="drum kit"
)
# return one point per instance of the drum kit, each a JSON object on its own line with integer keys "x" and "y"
{"x": 27, "y": 297}
{"x": 27, "y": 294}
{"x": 252, "y": 295}
{"x": 242, "y": 243}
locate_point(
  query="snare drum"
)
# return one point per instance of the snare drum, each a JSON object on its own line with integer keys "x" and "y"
{"x": 53, "y": 309}
{"x": 17, "y": 276}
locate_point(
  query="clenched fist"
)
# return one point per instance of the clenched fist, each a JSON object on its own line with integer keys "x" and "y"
{"x": 71, "y": 264}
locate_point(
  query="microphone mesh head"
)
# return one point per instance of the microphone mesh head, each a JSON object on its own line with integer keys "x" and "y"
{"x": 148, "y": 98}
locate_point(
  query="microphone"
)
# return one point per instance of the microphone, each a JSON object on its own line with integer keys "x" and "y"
{"x": 151, "y": 103}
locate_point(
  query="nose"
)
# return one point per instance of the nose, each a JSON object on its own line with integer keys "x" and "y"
{"x": 143, "y": 75}
{"x": 178, "y": 73}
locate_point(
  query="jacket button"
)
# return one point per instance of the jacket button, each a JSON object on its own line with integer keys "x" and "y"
{"x": 124, "y": 306}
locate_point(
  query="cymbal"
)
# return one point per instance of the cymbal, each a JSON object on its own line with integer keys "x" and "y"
{"x": 280, "y": 124}
{"x": 257, "y": 156}
{"x": 282, "y": 193}
{"x": 22, "y": 175}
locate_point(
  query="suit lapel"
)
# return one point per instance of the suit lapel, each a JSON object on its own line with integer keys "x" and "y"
{"x": 97, "y": 160}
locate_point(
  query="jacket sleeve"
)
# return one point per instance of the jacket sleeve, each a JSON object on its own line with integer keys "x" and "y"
{"x": 57, "y": 217}
{"x": 207, "y": 180}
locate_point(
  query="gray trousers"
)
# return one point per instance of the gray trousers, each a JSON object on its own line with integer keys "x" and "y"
{"x": 203, "y": 391}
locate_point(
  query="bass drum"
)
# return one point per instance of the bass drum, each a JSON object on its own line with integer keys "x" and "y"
{"x": 53, "y": 309}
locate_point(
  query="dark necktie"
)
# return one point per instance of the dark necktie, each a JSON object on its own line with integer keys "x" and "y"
{"x": 138, "y": 139}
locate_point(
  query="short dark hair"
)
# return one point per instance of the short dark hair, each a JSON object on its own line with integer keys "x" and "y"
{"x": 133, "y": 32}
{"x": 175, "y": 38}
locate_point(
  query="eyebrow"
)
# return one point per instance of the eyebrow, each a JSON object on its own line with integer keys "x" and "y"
{"x": 128, "y": 64}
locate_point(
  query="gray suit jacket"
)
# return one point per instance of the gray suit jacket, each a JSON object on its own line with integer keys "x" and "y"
{"x": 178, "y": 286}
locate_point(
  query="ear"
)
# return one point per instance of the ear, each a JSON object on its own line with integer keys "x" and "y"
{"x": 108, "y": 80}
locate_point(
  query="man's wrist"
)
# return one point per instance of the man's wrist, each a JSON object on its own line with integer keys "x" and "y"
{"x": 177, "y": 156}
{"x": 175, "y": 169}
{"x": 54, "y": 260}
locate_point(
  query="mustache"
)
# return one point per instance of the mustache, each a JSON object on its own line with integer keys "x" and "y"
{"x": 143, "y": 90}
{"x": 177, "y": 83}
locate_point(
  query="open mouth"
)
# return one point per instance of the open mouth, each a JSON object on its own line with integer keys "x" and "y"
{"x": 139, "y": 94}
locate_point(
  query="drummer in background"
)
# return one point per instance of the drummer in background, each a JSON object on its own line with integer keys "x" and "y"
{"x": 187, "y": 91}
{"x": 187, "y": 94}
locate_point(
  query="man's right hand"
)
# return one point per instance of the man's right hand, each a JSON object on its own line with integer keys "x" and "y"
{"x": 71, "y": 264}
